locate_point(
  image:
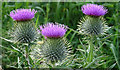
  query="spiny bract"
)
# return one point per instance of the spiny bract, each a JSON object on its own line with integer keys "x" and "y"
{"x": 24, "y": 32}
{"x": 92, "y": 26}
{"x": 54, "y": 49}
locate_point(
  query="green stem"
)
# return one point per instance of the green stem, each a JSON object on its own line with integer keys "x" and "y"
{"x": 47, "y": 13}
{"x": 27, "y": 54}
{"x": 91, "y": 47}
{"x": 74, "y": 30}
{"x": 53, "y": 64}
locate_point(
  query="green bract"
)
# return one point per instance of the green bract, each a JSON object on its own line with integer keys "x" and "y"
{"x": 92, "y": 26}
{"x": 55, "y": 49}
{"x": 24, "y": 31}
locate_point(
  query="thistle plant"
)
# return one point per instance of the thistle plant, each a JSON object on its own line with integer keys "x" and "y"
{"x": 93, "y": 24}
{"x": 24, "y": 30}
{"x": 55, "y": 46}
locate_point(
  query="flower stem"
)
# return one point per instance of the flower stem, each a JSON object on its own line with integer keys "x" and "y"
{"x": 27, "y": 54}
{"x": 91, "y": 47}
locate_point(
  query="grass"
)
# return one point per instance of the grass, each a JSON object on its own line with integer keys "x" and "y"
{"x": 106, "y": 51}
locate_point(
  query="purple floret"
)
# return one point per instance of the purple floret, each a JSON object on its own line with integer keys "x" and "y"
{"x": 52, "y": 30}
{"x": 22, "y": 14}
{"x": 94, "y": 10}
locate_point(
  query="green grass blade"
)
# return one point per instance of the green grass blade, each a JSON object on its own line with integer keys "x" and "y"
{"x": 72, "y": 37}
{"x": 68, "y": 33}
{"x": 9, "y": 49}
{"x": 37, "y": 21}
{"x": 93, "y": 61}
{"x": 115, "y": 53}
{"x": 112, "y": 66}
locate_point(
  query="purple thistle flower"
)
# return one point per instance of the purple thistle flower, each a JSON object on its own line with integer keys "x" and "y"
{"x": 94, "y": 10}
{"x": 52, "y": 30}
{"x": 22, "y": 14}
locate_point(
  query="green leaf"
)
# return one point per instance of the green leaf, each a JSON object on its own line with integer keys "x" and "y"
{"x": 9, "y": 49}
{"x": 37, "y": 21}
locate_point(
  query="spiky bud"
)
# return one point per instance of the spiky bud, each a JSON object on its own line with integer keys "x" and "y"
{"x": 93, "y": 23}
{"x": 92, "y": 26}
{"x": 54, "y": 47}
{"x": 24, "y": 30}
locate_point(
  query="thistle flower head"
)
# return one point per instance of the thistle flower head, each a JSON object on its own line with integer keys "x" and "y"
{"x": 94, "y": 10}
{"x": 92, "y": 26}
{"x": 22, "y": 14}
{"x": 52, "y": 30}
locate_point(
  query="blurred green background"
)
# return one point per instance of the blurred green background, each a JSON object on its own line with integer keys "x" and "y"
{"x": 67, "y": 13}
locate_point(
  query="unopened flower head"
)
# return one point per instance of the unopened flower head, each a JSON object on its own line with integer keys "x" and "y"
{"x": 22, "y": 14}
{"x": 94, "y": 10}
{"x": 52, "y": 30}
